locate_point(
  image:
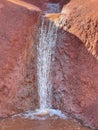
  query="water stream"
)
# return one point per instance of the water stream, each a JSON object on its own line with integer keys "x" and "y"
{"x": 47, "y": 42}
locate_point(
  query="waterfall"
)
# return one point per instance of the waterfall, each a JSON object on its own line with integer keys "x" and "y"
{"x": 47, "y": 40}
{"x": 45, "y": 49}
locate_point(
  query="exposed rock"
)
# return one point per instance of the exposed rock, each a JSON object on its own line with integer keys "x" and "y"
{"x": 75, "y": 65}
{"x": 18, "y": 24}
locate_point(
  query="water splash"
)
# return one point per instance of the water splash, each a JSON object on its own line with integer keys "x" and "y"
{"x": 39, "y": 115}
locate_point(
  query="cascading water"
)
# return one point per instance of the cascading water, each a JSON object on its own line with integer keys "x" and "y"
{"x": 47, "y": 40}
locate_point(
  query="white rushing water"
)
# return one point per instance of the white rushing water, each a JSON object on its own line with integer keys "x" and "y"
{"x": 47, "y": 41}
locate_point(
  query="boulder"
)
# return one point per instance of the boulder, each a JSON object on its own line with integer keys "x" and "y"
{"x": 75, "y": 64}
{"x": 18, "y": 27}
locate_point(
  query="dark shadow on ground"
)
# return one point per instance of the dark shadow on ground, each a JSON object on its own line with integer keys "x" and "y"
{"x": 59, "y": 1}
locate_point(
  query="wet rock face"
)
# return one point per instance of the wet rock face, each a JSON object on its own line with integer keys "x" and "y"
{"x": 75, "y": 63}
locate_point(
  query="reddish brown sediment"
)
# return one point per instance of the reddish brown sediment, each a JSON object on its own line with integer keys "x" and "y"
{"x": 48, "y": 124}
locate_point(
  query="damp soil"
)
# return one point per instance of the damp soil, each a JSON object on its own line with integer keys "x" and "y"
{"x": 19, "y": 123}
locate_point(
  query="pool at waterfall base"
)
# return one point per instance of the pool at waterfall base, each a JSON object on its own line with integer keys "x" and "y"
{"x": 48, "y": 123}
